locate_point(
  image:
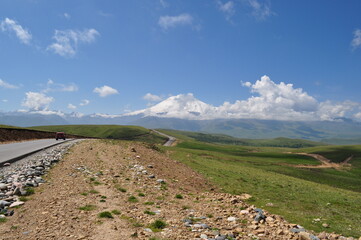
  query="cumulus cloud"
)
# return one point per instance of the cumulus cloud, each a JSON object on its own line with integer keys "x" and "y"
{"x": 167, "y": 22}
{"x": 84, "y": 102}
{"x": 105, "y": 91}
{"x": 269, "y": 100}
{"x": 356, "y": 41}
{"x": 152, "y": 98}
{"x": 37, "y": 101}
{"x": 52, "y": 86}
{"x": 274, "y": 101}
{"x": 71, "y": 106}
{"x": 227, "y": 8}
{"x": 11, "y": 26}
{"x": 67, "y": 41}
{"x": 4, "y": 84}
{"x": 260, "y": 10}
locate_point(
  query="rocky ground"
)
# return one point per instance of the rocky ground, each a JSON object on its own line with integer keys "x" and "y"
{"x": 126, "y": 190}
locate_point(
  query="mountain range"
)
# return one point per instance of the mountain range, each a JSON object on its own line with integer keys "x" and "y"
{"x": 185, "y": 112}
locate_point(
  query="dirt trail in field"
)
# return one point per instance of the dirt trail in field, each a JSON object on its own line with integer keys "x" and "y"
{"x": 325, "y": 162}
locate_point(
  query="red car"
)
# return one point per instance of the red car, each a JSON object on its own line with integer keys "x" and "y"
{"x": 60, "y": 135}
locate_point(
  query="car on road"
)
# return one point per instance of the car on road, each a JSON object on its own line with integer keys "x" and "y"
{"x": 60, "y": 135}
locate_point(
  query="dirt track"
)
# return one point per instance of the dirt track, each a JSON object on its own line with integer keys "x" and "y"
{"x": 325, "y": 163}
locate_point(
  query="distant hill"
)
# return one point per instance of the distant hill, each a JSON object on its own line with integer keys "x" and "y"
{"x": 108, "y": 132}
{"x": 225, "y": 139}
{"x": 340, "y": 131}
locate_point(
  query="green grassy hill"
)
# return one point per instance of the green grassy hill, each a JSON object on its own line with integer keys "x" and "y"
{"x": 270, "y": 176}
{"x": 108, "y": 132}
{"x": 225, "y": 139}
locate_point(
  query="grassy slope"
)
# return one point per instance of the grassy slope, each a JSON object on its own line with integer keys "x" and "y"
{"x": 225, "y": 139}
{"x": 300, "y": 195}
{"x": 108, "y": 131}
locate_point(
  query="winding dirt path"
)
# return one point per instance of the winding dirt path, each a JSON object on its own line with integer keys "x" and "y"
{"x": 325, "y": 162}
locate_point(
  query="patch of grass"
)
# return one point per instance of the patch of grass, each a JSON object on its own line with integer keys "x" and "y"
{"x": 141, "y": 194}
{"x": 103, "y": 197}
{"x": 157, "y": 225}
{"x": 178, "y": 196}
{"x": 88, "y": 208}
{"x": 185, "y": 207}
{"x": 105, "y": 214}
{"x": 14, "y": 227}
{"x": 298, "y": 194}
{"x": 149, "y": 212}
{"x": 84, "y": 194}
{"x": 2, "y": 220}
{"x": 102, "y": 200}
{"x": 93, "y": 191}
{"x": 132, "y": 199}
{"x": 23, "y": 198}
{"x": 209, "y": 215}
{"x": 29, "y": 191}
{"x": 116, "y": 212}
{"x": 149, "y": 203}
{"x": 96, "y": 183}
{"x": 121, "y": 189}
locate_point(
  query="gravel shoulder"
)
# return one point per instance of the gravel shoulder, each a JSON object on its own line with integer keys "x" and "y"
{"x": 133, "y": 185}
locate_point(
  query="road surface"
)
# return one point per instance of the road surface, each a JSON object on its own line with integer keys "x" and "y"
{"x": 15, "y": 151}
{"x": 170, "y": 141}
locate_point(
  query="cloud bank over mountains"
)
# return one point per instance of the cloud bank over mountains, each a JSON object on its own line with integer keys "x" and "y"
{"x": 271, "y": 101}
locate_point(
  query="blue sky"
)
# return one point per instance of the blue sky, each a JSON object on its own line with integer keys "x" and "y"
{"x": 115, "y": 56}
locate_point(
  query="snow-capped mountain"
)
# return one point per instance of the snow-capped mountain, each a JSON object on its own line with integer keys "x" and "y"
{"x": 184, "y": 106}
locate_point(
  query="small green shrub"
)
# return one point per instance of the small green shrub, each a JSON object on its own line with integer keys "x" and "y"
{"x": 88, "y": 208}
{"x": 132, "y": 199}
{"x": 105, "y": 214}
{"x": 157, "y": 225}
{"x": 178, "y": 196}
{"x": 149, "y": 203}
{"x": 141, "y": 194}
{"x": 149, "y": 212}
{"x": 116, "y": 212}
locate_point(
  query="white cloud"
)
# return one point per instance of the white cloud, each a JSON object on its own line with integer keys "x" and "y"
{"x": 167, "y": 22}
{"x": 152, "y": 98}
{"x": 67, "y": 15}
{"x": 67, "y": 41}
{"x": 7, "y": 85}
{"x": 357, "y": 115}
{"x": 4, "y": 100}
{"x": 71, "y": 106}
{"x": 52, "y": 86}
{"x": 260, "y": 11}
{"x": 84, "y": 102}
{"x": 105, "y": 91}
{"x": 9, "y": 25}
{"x": 270, "y": 100}
{"x": 356, "y": 41}
{"x": 227, "y": 8}
{"x": 37, "y": 101}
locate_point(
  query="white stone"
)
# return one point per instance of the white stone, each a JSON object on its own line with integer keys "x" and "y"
{"x": 15, "y": 204}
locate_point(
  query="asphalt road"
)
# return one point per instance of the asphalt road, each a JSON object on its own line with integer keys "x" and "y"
{"x": 170, "y": 141}
{"x": 15, "y": 151}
